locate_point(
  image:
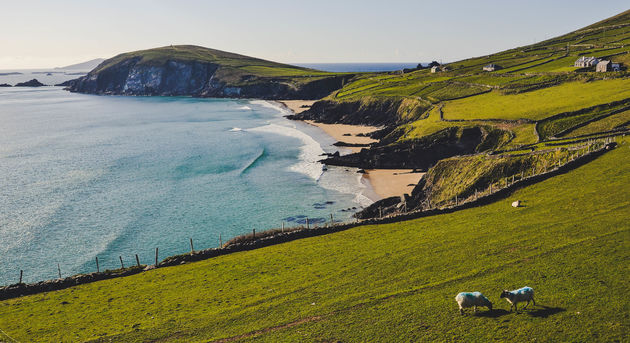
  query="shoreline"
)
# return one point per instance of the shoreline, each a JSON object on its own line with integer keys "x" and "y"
{"x": 380, "y": 183}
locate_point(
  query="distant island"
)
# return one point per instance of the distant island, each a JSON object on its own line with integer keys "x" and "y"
{"x": 31, "y": 83}
{"x": 10, "y": 73}
{"x": 87, "y": 65}
{"x": 198, "y": 71}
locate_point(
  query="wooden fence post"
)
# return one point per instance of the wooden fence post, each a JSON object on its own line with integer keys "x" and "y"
{"x": 156, "y": 256}
{"x": 283, "y": 226}
{"x": 456, "y": 200}
{"x": 137, "y": 261}
{"x": 97, "y": 267}
{"x": 220, "y": 241}
{"x": 254, "y": 233}
{"x": 192, "y": 248}
{"x": 21, "y": 272}
{"x": 307, "y": 225}
{"x": 59, "y": 270}
{"x": 122, "y": 265}
{"x": 331, "y": 219}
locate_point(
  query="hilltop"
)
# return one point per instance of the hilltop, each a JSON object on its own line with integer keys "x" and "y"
{"x": 198, "y": 71}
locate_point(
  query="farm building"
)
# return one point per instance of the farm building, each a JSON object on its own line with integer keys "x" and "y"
{"x": 603, "y": 66}
{"x": 491, "y": 67}
{"x": 435, "y": 69}
{"x": 585, "y": 62}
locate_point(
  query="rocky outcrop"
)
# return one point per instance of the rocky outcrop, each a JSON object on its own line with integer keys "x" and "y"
{"x": 201, "y": 79}
{"x": 418, "y": 154}
{"x": 31, "y": 83}
{"x": 5, "y": 85}
{"x": 374, "y": 112}
{"x": 66, "y": 83}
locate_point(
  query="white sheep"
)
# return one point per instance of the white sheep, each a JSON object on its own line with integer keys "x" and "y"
{"x": 519, "y": 295}
{"x": 516, "y": 203}
{"x": 472, "y": 299}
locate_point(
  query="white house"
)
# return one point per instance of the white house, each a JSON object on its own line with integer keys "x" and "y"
{"x": 491, "y": 67}
{"x": 585, "y": 62}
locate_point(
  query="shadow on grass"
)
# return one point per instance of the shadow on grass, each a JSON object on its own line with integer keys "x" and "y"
{"x": 545, "y": 311}
{"x": 493, "y": 314}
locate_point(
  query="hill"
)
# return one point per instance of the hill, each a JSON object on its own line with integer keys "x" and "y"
{"x": 87, "y": 65}
{"x": 199, "y": 71}
{"x": 534, "y": 98}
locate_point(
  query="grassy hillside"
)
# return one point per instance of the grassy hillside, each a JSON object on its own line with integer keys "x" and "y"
{"x": 255, "y": 66}
{"x": 534, "y": 83}
{"x": 541, "y": 103}
{"x": 396, "y": 282}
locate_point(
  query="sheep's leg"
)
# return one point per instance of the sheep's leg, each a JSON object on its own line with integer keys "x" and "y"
{"x": 515, "y": 307}
{"x": 461, "y": 311}
{"x": 534, "y": 301}
{"x": 475, "y": 309}
{"x": 526, "y": 305}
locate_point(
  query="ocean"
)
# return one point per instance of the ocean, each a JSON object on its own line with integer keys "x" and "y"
{"x": 87, "y": 176}
{"x": 358, "y": 67}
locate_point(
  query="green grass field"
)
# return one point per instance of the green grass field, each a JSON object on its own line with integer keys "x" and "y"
{"x": 538, "y": 104}
{"x": 614, "y": 121}
{"x": 395, "y": 282}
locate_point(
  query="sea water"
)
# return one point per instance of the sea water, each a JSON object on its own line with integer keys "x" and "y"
{"x": 85, "y": 176}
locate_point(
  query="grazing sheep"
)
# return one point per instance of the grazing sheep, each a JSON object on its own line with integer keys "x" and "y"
{"x": 517, "y": 203}
{"x": 472, "y": 299}
{"x": 519, "y": 295}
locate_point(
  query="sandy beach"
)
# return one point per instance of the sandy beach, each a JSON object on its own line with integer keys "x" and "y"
{"x": 384, "y": 183}
{"x": 297, "y": 106}
{"x": 392, "y": 182}
{"x": 347, "y": 133}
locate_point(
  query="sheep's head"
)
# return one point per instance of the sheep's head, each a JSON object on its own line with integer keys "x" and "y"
{"x": 504, "y": 294}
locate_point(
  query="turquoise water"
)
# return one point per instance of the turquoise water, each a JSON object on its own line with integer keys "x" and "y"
{"x": 108, "y": 176}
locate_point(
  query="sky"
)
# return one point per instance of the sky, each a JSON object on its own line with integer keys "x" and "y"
{"x": 44, "y": 34}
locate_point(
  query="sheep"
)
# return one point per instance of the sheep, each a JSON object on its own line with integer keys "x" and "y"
{"x": 516, "y": 203}
{"x": 472, "y": 299}
{"x": 519, "y": 295}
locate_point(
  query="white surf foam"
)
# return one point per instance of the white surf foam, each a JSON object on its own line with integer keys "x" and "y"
{"x": 236, "y": 129}
{"x": 245, "y": 108}
{"x": 271, "y": 104}
{"x": 309, "y": 152}
{"x": 336, "y": 178}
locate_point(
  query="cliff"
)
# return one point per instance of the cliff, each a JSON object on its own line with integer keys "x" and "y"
{"x": 197, "y": 71}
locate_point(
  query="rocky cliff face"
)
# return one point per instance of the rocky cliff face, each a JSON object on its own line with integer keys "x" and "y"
{"x": 374, "y": 112}
{"x": 420, "y": 154}
{"x": 191, "y": 78}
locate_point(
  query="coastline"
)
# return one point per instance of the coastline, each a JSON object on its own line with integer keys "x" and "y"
{"x": 380, "y": 183}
